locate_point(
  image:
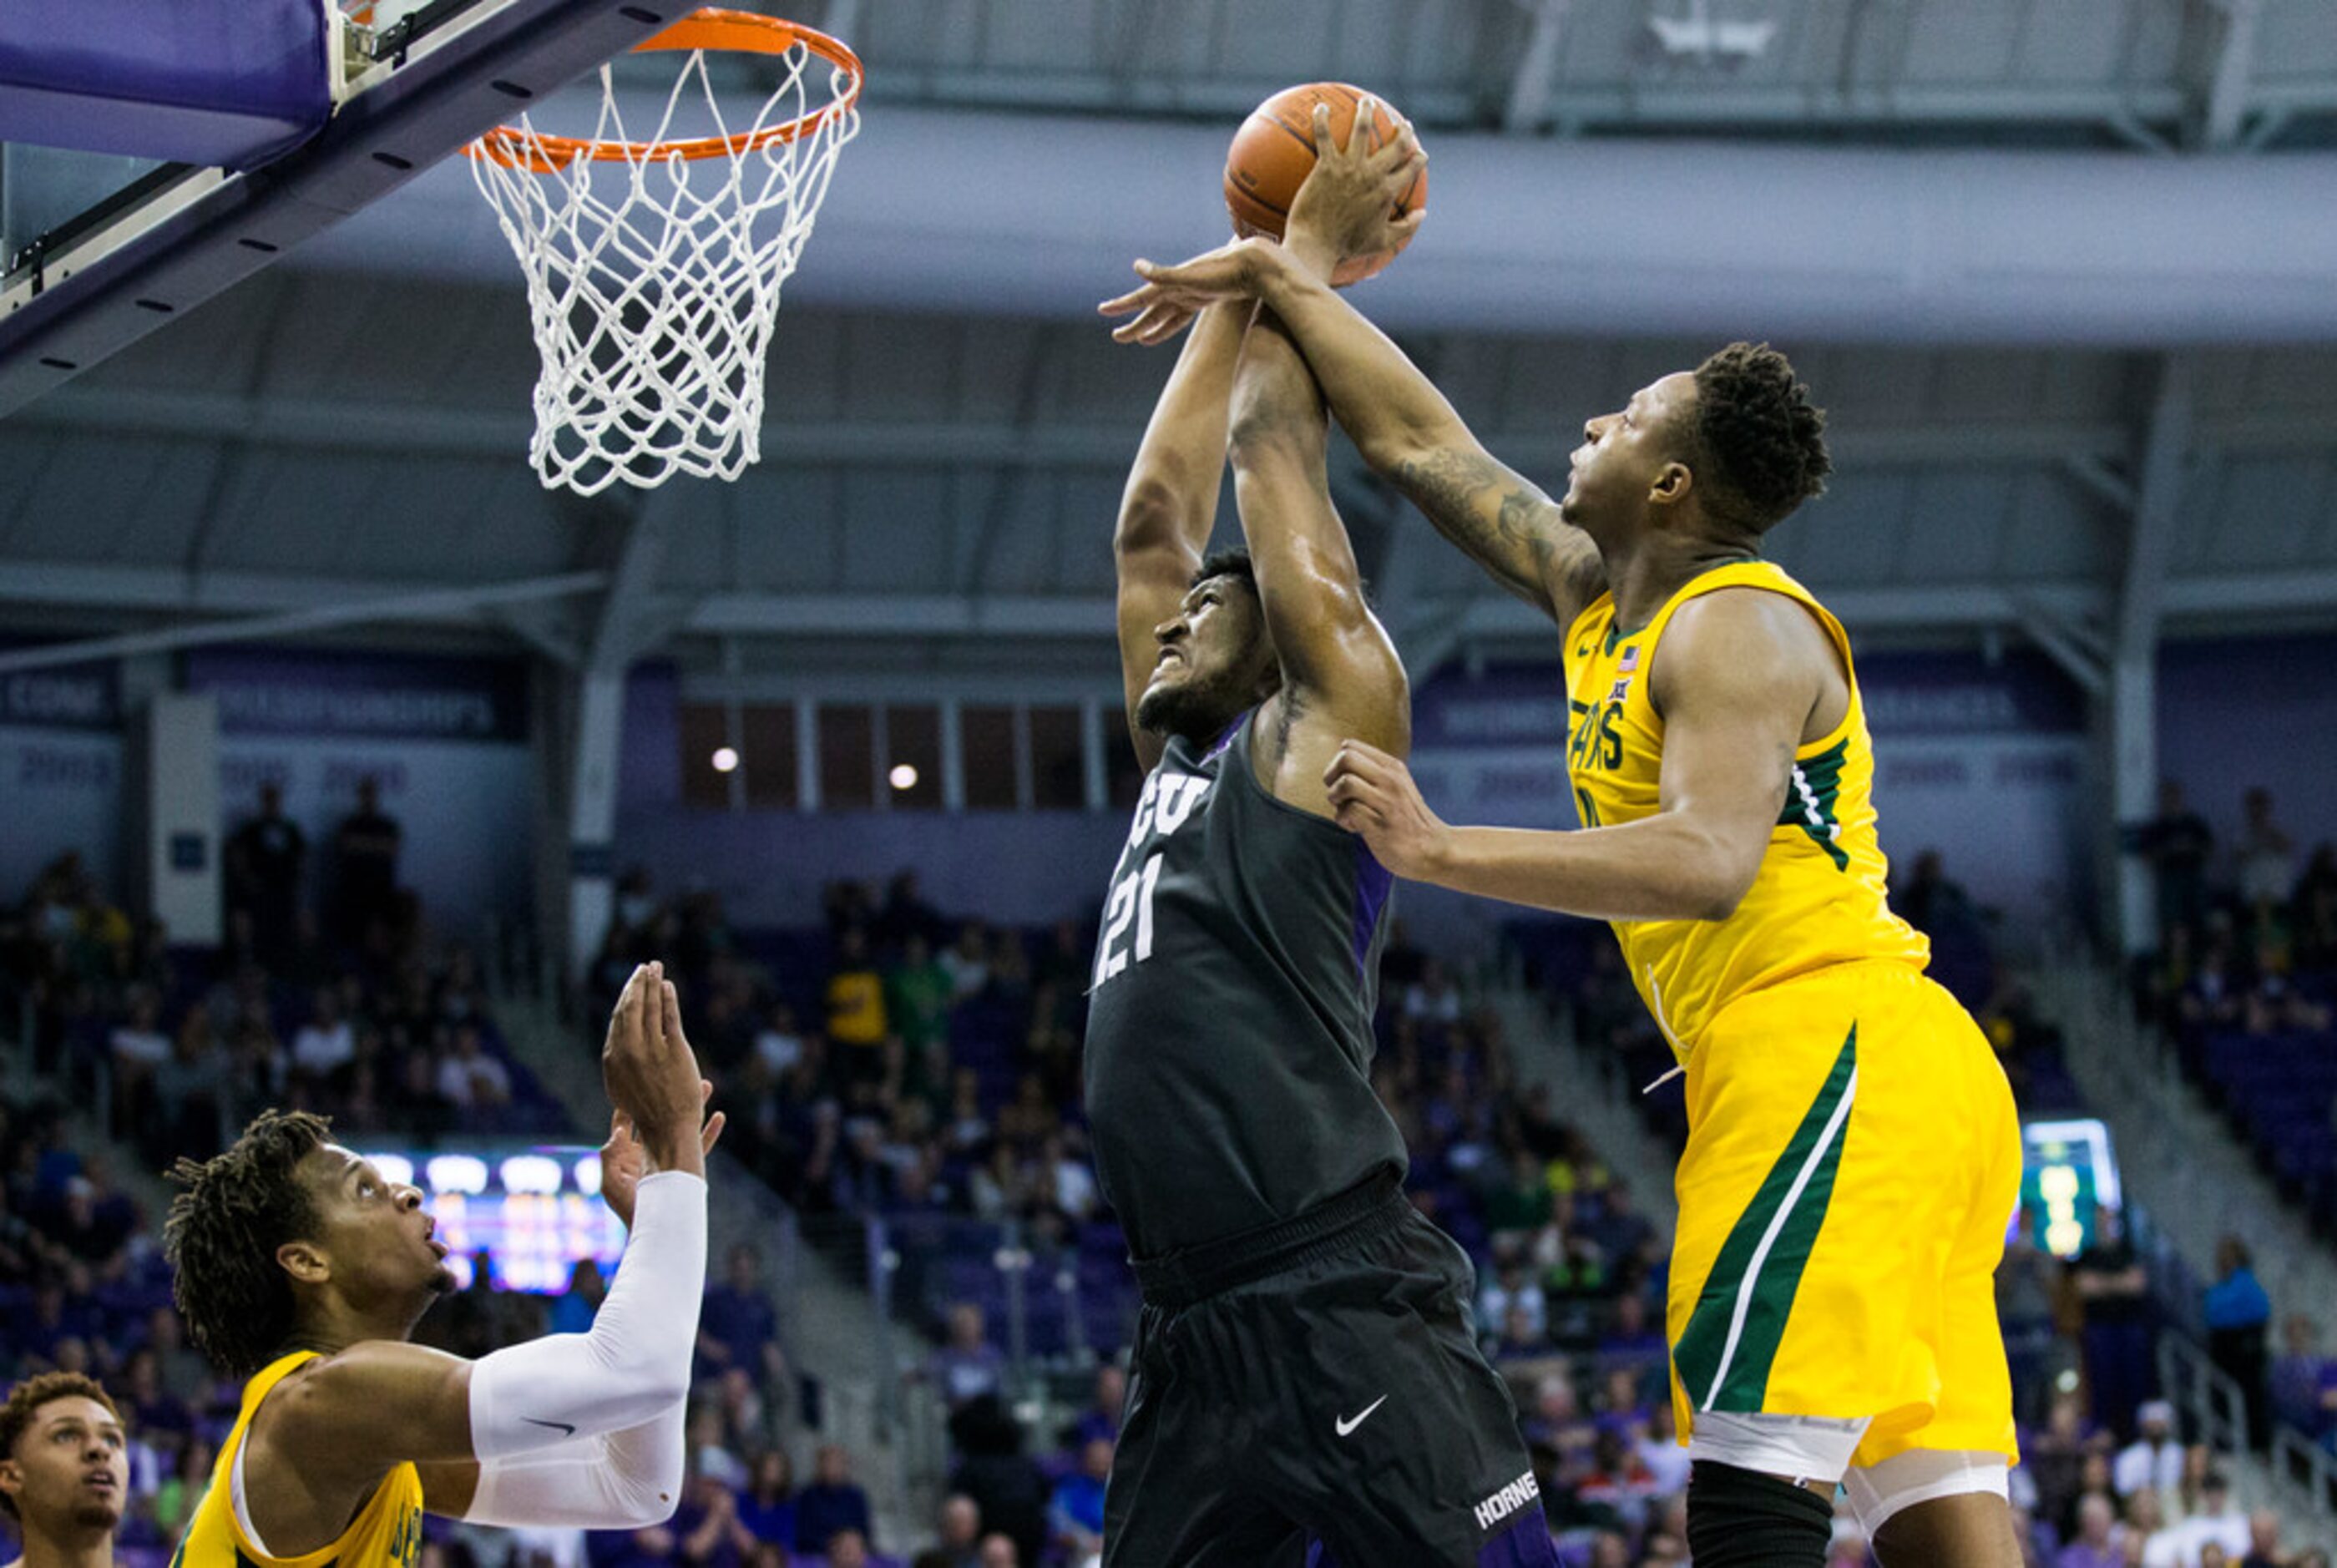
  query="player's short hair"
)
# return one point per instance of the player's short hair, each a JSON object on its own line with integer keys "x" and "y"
{"x": 1226, "y": 563}
{"x": 24, "y": 1401}
{"x": 1759, "y": 433}
{"x": 223, "y": 1231}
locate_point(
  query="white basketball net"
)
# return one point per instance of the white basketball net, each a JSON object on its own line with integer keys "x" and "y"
{"x": 653, "y": 283}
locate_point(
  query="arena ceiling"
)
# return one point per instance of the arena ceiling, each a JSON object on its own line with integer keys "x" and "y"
{"x": 339, "y": 442}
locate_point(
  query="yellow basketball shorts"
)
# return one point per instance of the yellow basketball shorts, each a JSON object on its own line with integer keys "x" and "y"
{"x": 1852, "y": 1163}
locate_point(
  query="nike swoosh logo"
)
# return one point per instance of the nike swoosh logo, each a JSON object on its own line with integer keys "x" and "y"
{"x": 568, "y": 1431}
{"x": 1348, "y": 1424}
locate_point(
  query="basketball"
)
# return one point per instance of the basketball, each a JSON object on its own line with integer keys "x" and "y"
{"x": 1274, "y": 150}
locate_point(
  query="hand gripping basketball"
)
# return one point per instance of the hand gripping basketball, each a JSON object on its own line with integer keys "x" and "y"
{"x": 1363, "y": 199}
{"x": 1287, "y": 145}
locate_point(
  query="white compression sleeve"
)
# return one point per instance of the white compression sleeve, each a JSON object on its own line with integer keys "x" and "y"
{"x": 632, "y": 1366}
{"x": 627, "y": 1480}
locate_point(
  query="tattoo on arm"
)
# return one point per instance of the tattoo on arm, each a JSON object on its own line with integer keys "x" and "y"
{"x": 1518, "y": 539}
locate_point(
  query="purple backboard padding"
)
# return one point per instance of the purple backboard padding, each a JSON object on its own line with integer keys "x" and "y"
{"x": 379, "y": 139}
{"x": 229, "y": 83}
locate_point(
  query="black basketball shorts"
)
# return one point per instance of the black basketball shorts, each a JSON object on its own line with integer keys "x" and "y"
{"x": 1312, "y": 1394}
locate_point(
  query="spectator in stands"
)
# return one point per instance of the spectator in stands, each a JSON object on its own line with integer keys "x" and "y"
{"x": 967, "y": 1367}
{"x": 1100, "y": 1419}
{"x": 1932, "y": 902}
{"x": 2178, "y": 845}
{"x": 846, "y": 1549}
{"x": 779, "y": 1043}
{"x": 2114, "y": 1295}
{"x": 2147, "y": 1542}
{"x": 183, "y": 1488}
{"x": 998, "y": 1475}
{"x": 2213, "y": 1523}
{"x": 999, "y": 1551}
{"x": 737, "y": 1324}
{"x": 2315, "y": 911}
{"x": 857, "y": 1019}
{"x": 968, "y": 961}
{"x": 1433, "y": 998}
{"x": 138, "y": 1048}
{"x": 65, "y": 1477}
{"x": 2303, "y": 1381}
{"x": 2239, "y": 1318}
{"x": 1075, "y": 1511}
{"x": 573, "y": 1309}
{"x": 711, "y": 1456}
{"x": 326, "y": 1043}
{"x": 188, "y": 1107}
{"x": 767, "y": 1507}
{"x": 957, "y": 1536}
{"x": 2152, "y": 1461}
{"x": 918, "y": 997}
{"x": 2264, "y": 855}
{"x": 832, "y": 1503}
{"x": 264, "y": 860}
{"x": 468, "y": 1078}
{"x": 1523, "y": 1202}
{"x": 708, "y": 1528}
{"x": 364, "y": 867}
{"x": 2096, "y": 1544}
{"x": 1512, "y": 1286}
{"x": 2264, "y": 1542}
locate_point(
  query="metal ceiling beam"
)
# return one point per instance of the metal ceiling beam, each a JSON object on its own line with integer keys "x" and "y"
{"x": 435, "y": 604}
{"x": 1536, "y": 79}
{"x": 436, "y": 431}
{"x": 2227, "y": 85}
{"x": 1596, "y": 107}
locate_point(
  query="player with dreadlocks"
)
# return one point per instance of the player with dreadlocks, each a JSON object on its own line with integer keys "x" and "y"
{"x": 301, "y": 1269}
{"x": 1854, "y": 1156}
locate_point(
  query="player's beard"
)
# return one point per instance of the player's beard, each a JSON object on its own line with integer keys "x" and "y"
{"x": 1198, "y": 708}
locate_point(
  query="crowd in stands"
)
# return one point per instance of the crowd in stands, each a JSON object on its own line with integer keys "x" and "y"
{"x": 2241, "y": 984}
{"x": 341, "y": 1004}
{"x": 921, "y": 1073}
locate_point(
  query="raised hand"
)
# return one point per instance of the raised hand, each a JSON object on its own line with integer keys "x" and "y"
{"x": 623, "y": 1160}
{"x": 1345, "y": 208}
{"x": 650, "y": 1073}
{"x": 1373, "y": 793}
{"x": 1171, "y": 297}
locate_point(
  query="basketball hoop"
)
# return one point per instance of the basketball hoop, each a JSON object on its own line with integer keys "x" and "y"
{"x": 653, "y": 268}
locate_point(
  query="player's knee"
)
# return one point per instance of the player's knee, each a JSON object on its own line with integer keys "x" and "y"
{"x": 1742, "y": 1519}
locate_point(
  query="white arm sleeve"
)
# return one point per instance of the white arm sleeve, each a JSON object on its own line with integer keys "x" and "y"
{"x": 634, "y": 1364}
{"x": 627, "y": 1480}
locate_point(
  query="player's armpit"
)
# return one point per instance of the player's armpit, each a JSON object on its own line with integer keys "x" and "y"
{"x": 1737, "y": 677}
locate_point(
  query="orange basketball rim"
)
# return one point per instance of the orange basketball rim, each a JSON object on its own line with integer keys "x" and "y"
{"x": 715, "y": 30}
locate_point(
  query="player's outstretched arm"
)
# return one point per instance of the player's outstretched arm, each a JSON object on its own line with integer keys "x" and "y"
{"x": 1405, "y": 427}
{"x": 1737, "y": 677}
{"x": 1170, "y": 503}
{"x": 339, "y": 1422}
{"x": 1341, "y": 675}
{"x": 623, "y": 1480}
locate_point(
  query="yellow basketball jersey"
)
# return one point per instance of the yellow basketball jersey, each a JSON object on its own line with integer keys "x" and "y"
{"x": 1819, "y": 898}
{"x": 386, "y": 1534}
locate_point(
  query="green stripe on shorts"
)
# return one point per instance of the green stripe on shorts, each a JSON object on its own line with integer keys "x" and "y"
{"x": 1724, "y": 1355}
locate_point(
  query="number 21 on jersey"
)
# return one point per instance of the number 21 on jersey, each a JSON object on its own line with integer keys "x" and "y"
{"x": 1131, "y": 903}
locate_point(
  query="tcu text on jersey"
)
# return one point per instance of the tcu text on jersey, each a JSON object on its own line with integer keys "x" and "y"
{"x": 1167, "y": 804}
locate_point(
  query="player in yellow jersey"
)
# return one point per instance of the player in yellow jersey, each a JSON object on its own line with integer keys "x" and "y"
{"x": 1853, "y": 1157}
{"x": 301, "y": 1269}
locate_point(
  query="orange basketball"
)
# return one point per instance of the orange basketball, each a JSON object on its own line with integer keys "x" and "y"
{"x": 1274, "y": 150}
